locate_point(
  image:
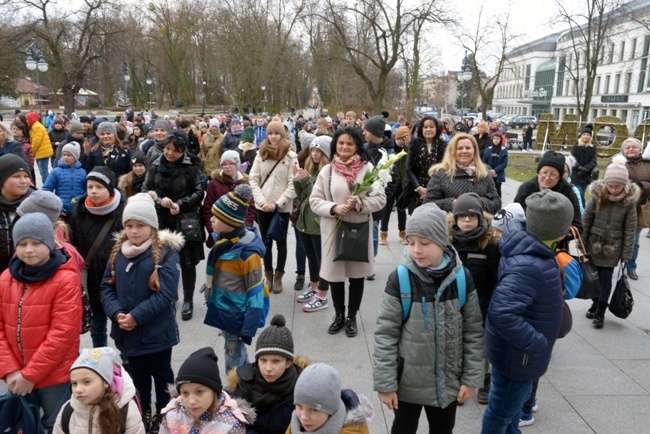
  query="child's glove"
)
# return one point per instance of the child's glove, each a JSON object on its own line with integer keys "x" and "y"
{"x": 246, "y": 339}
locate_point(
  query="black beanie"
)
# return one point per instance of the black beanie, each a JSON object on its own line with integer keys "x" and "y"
{"x": 10, "y": 164}
{"x": 200, "y": 367}
{"x": 104, "y": 176}
{"x": 589, "y": 129}
{"x": 276, "y": 339}
{"x": 138, "y": 157}
{"x": 468, "y": 203}
{"x": 552, "y": 159}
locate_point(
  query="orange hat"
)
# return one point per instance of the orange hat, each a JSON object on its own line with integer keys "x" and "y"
{"x": 402, "y": 132}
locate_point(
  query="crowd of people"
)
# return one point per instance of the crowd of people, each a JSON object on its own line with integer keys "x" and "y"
{"x": 131, "y": 204}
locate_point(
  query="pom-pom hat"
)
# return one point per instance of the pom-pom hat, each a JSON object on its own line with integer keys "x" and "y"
{"x": 276, "y": 340}
{"x": 232, "y": 208}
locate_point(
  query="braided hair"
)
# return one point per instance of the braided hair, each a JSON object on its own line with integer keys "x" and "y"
{"x": 156, "y": 252}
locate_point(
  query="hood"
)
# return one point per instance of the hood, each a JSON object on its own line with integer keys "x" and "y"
{"x": 358, "y": 412}
{"x": 633, "y": 192}
{"x": 232, "y": 379}
{"x": 76, "y": 165}
{"x": 516, "y": 241}
{"x": 236, "y": 404}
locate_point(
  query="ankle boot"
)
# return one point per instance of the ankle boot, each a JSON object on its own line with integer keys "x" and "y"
{"x": 337, "y": 324}
{"x": 383, "y": 237}
{"x": 300, "y": 282}
{"x": 188, "y": 305}
{"x": 268, "y": 274}
{"x": 592, "y": 310}
{"x": 277, "y": 282}
{"x": 155, "y": 421}
{"x": 146, "y": 419}
{"x": 351, "y": 326}
{"x": 599, "y": 317}
{"x": 402, "y": 237}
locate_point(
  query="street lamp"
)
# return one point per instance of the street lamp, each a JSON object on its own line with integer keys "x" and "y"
{"x": 33, "y": 52}
{"x": 464, "y": 75}
{"x": 316, "y": 101}
{"x": 149, "y": 81}
{"x": 127, "y": 77}
{"x": 203, "y": 97}
{"x": 264, "y": 103}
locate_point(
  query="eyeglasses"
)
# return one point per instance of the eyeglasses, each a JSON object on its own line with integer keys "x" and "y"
{"x": 550, "y": 175}
{"x": 469, "y": 217}
{"x": 228, "y": 163}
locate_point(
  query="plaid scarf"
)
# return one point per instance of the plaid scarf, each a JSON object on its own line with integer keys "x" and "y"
{"x": 349, "y": 169}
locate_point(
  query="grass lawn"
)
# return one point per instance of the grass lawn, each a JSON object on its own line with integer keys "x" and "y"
{"x": 523, "y": 166}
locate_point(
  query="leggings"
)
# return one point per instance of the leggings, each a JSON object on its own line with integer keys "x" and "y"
{"x": 157, "y": 365}
{"x": 311, "y": 244}
{"x": 354, "y": 299}
{"x": 407, "y": 417}
{"x": 188, "y": 276}
{"x": 264, "y": 219}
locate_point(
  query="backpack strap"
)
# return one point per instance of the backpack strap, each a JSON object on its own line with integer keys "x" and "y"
{"x": 404, "y": 290}
{"x": 461, "y": 286}
{"x": 66, "y": 414}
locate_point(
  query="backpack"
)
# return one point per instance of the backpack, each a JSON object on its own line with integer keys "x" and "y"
{"x": 405, "y": 289}
{"x": 18, "y": 416}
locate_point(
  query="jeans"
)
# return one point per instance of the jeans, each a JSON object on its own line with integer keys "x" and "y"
{"x": 236, "y": 354}
{"x": 631, "y": 265}
{"x": 50, "y": 399}
{"x": 301, "y": 256}
{"x": 582, "y": 188}
{"x": 375, "y": 237}
{"x": 407, "y": 417}
{"x": 157, "y": 365}
{"x": 98, "y": 331}
{"x": 42, "y": 167}
{"x": 505, "y": 402}
{"x": 264, "y": 219}
{"x": 605, "y": 279}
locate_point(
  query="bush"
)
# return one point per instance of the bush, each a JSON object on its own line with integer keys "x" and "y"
{"x": 92, "y": 103}
{"x": 179, "y": 103}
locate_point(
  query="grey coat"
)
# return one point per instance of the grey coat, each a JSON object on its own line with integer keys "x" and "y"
{"x": 437, "y": 349}
{"x": 442, "y": 191}
{"x": 609, "y": 233}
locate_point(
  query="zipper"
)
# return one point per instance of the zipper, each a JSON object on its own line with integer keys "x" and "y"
{"x": 525, "y": 361}
{"x": 435, "y": 316}
{"x": 20, "y": 320}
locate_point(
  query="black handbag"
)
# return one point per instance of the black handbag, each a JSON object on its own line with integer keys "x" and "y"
{"x": 190, "y": 226}
{"x": 352, "y": 242}
{"x": 567, "y": 321}
{"x": 295, "y": 213}
{"x": 590, "y": 287}
{"x": 622, "y": 301}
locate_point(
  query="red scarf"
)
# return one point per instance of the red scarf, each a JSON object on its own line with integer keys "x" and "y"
{"x": 349, "y": 169}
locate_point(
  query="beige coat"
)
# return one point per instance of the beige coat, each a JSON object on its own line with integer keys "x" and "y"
{"x": 211, "y": 151}
{"x": 322, "y": 200}
{"x": 278, "y": 188}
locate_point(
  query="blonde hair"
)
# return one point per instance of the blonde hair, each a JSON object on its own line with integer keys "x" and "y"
{"x": 448, "y": 163}
{"x": 156, "y": 252}
{"x": 311, "y": 167}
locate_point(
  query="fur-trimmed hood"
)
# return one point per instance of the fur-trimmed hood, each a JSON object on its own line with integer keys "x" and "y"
{"x": 241, "y": 404}
{"x": 633, "y": 192}
{"x": 485, "y": 240}
{"x": 217, "y": 175}
{"x": 232, "y": 378}
{"x": 173, "y": 240}
{"x": 359, "y": 414}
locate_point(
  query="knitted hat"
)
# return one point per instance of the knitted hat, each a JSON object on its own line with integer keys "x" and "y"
{"x": 511, "y": 212}
{"x": 276, "y": 127}
{"x": 402, "y": 132}
{"x": 100, "y": 360}
{"x": 85, "y": 119}
{"x": 42, "y": 201}
{"x": 200, "y": 367}
{"x": 235, "y": 121}
{"x": 138, "y": 157}
{"x": 10, "y": 164}
{"x": 323, "y": 144}
{"x": 163, "y": 124}
{"x": 307, "y": 139}
{"x": 146, "y": 129}
{"x": 57, "y": 121}
{"x": 214, "y": 122}
{"x": 232, "y": 208}
{"x": 104, "y": 176}
{"x": 73, "y": 148}
{"x": 468, "y": 203}
{"x": 569, "y": 163}
{"x": 34, "y": 225}
{"x": 275, "y": 340}
{"x": 75, "y": 127}
{"x": 616, "y": 172}
{"x": 552, "y": 159}
{"x": 248, "y": 136}
{"x": 319, "y": 386}
{"x": 142, "y": 208}
{"x": 232, "y": 156}
{"x": 202, "y": 125}
{"x": 548, "y": 215}
{"x": 32, "y": 118}
{"x": 106, "y": 126}
{"x": 589, "y": 129}
{"x": 376, "y": 126}
{"x": 430, "y": 222}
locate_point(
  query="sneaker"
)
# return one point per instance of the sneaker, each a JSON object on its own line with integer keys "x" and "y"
{"x": 306, "y": 296}
{"x": 316, "y": 304}
{"x": 535, "y": 407}
{"x": 526, "y": 419}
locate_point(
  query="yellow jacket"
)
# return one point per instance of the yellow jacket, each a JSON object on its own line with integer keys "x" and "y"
{"x": 40, "y": 141}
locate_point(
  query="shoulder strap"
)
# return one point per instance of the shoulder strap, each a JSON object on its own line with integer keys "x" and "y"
{"x": 125, "y": 413}
{"x": 168, "y": 255}
{"x": 461, "y": 286}
{"x": 66, "y": 414}
{"x": 269, "y": 174}
{"x": 404, "y": 290}
{"x": 91, "y": 254}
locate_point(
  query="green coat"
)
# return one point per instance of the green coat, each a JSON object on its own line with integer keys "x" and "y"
{"x": 308, "y": 222}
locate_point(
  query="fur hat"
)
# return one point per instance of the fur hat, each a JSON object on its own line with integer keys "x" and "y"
{"x": 548, "y": 215}
{"x": 75, "y": 127}
{"x": 616, "y": 172}
{"x": 141, "y": 207}
{"x": 511, "y": 212}
{"x": 323, "y": 144}
{"x": 430, "y": 222}
{"x": 104, "y": 176}
{"x": 34, "y": 225}
{"x": 73, "y": 148}
{"x": 41, "y": 201}
{"x": 319, "y": 386}
{"x": 552, "y": 159}
{"x": 10, "y": 164}
{"x": 276, "y": 339}
{"x": 106, "y": 126}
{"x": 376, "y": 126}
{"x": 200, "y": 367}
{"x": 232, "y": 156}
{"x": 232, "y": 208}
{"x": 99, "y": 360}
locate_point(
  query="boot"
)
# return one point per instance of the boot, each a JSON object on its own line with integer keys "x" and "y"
{"x": 146, "y": 419}
{"x": 351, "y": 326}
{"x": 300, "y": 282}
{"x": 155, "y": 421}
{"x": 277, "y": 282}
{"x": 337, "y": 324}
{"x": 599, "y": 317}
{"x": 269, "y": 278}
{"x": 188, "y": 305}
{"x": 383, "y": 235}
{"x": 484, "y": 392}
{"x": 592, "y": 310}
{"x": 402, "y": 237}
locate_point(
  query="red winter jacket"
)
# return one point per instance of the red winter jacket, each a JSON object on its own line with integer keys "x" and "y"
{"x": 40, "y": 325}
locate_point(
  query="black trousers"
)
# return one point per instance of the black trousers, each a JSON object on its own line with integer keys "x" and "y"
{"x": 354, "y": 299}
{"x": 311, "y": 244}
{"x": 407, "y": 417}
{"x": 264, "y": 219}
{"x": 157, "y": 366}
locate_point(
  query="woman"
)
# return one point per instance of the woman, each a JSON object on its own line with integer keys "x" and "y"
{"x": 270, "y": 178}
{"x": 8, "y": 144}
{"x": 232, "y": 138}
{"x": 176, "y": 178}
{"x": 586, "y": 159}
{"x": 402, "y": 194}
{"x": 639, "y": 170}
{"x": 331, "y": 199}
{"x": 496, "y": 158}
{"x": 462, "y": 171}
{"x": 109, "y": 151}
{"x": 21, "y": 135}
{"x": 483, "y": 137}
{"x": 136, "y": 137}
{"x": 425, "y": 150}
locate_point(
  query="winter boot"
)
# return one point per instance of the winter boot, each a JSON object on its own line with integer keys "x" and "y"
{"x": 269, "y": 278}
{"x": 188, "y": 305}
{"x": 338, "y": 323}
{"x": 146, "y": 417}
{"x": 599, "y": 317}
{"x": 351, "y": 326}
{"x": 156, "y": 420}
{"x": 592, "y": 310}
{"x": 402, "y": 237}
{"x": 277, "y": 282}
{"x": 300, "y": 282}
{"x": 383, "y": 236}
{"x": 484, "y": 392}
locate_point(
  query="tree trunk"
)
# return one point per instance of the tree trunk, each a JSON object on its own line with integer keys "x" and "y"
{"x": 68, "y": 100}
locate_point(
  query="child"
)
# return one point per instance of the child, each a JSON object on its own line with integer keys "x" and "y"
{"x": 268, "y": 383}
{"x": 414, "y": 363}
{"x": 68, "y": 179}
{"x": 609, "y": 227}
{"x": 131, "y": 183}
{"x": 203, "y": 406}
{"x": 40, "y": 319}
{"x": 102, "y": 397}
{"x": 138, "y": 292}
{"x": 471, "y": 236}
{"x": 500, "y": 221}
{"x": 235, "y": 292}
{"x": 323, "y": 408}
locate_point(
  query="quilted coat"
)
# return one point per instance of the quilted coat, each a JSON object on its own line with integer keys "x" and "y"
{"x": 68, "y": 183}
{"x": 40, "y": 141}
{"x": 442, "y": 191}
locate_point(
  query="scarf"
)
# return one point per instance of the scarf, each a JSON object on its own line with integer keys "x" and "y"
{"x": 262, "y": 394}
{"x": 26, "y": 274}
{"x": 274, "y": 152}
{"x": 447, "y": 265}
{"x": 130, "y": 250}
{"x": 617, "y": 198}
{"x": 470, "y": 170}
{"x": 236, "y": 131}
{"x": 470, "y": 237}
{"x": 70, "y": 139}
{"x": 222, "y": 245}
{"x": 349, "y": 169}
{"x": 168, "y": 169}
{"x": 106, "y": 153}
{"x": 11, "y": 205}
{"x": 105, "y": 209}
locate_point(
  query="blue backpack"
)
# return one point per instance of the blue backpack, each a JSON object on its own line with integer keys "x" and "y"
{"x": 406, "y": 294}
{"x": 18, "y": 416}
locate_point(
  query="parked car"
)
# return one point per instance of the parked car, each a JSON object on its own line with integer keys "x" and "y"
{"x": 521, "y": 121}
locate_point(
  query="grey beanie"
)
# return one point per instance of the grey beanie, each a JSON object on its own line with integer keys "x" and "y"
{"x": 548, "y": 215}
{"x": 376, "y": 126}
{"x": 99, "y": 360}
{"x": 232, "y": 156}
{"x": 141, "y": 207}
{"x": 468, "y": 203}
{"x": 164, "y": 124}
{"x": 42, "y": 201}
{"x": 106, "y": 126}
{"x": 73, "y": 148}
{"x": 430, "y": 222}
{"x": 35, "y": 225}
{"x": 319, "y": 386}
{"x": 323, "y": 144}
{"x": 75, "y": 127}
{"x": 307, "y": 140}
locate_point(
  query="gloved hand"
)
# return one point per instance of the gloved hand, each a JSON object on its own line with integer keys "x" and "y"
{"x": 246, "y": 339}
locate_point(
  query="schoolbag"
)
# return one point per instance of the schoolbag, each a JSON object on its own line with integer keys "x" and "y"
{"x": 406, "y": 294}
{"x": 18, "y": 416}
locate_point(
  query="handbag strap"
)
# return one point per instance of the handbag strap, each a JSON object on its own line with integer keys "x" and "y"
{"x": 91, "y": 254}
{"x": 576, "y": 236}
{"x": 269, "y": 174}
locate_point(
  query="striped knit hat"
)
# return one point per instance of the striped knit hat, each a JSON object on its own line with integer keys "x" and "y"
{"x": 616, "y": 172}
{"x": 231, "y": 208}
{"x": 275, "y": 340}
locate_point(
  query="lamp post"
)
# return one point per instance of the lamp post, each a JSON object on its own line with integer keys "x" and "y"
{"x": 464, "y": 75}
{"x": 149, "y": 81}
{"x": 127, "y": 77}
{"x": 316, "y": 101}
{"x": 203, "y": 98}
{"x": 35, "y": 62}
{"x": 264, "y": 102}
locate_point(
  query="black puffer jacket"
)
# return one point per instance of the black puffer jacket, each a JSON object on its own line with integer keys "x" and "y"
{"x": 586, "y": 161}
{"x": 562, "y": 187}
{"x": 7, "y": 219}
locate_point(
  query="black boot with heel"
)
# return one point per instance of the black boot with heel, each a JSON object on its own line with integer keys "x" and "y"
{"x": 599, "y": 317}
{"x": 188, "y": 305}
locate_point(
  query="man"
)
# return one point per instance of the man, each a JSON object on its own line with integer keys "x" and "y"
{"x": 260, "y": 129}
{"x": 350, "y": 120}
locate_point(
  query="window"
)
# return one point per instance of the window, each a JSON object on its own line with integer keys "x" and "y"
{"x": 560, "y": 75}
{"x": 633, "y": 49}
{"x": 644, "y": 65}
{"x": 635, "y": 118}
{"x": 610, "y": 55}
{"x": 622, "y": 52}
{"x": 556, "y": 113}
{"x": 527, "y": 77}
{"x": 567, "y": 85}
{"x": 603, "y": 112}
{"x": 597, "y": 86}
{"x": 606, "y": 89}
{"x": 624, "y": 115}
{"x": 617, "y": 83}
{"x": 628, "y": 83}
{"x": 613, "y": 112}
{"x": 594, "y": 114}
